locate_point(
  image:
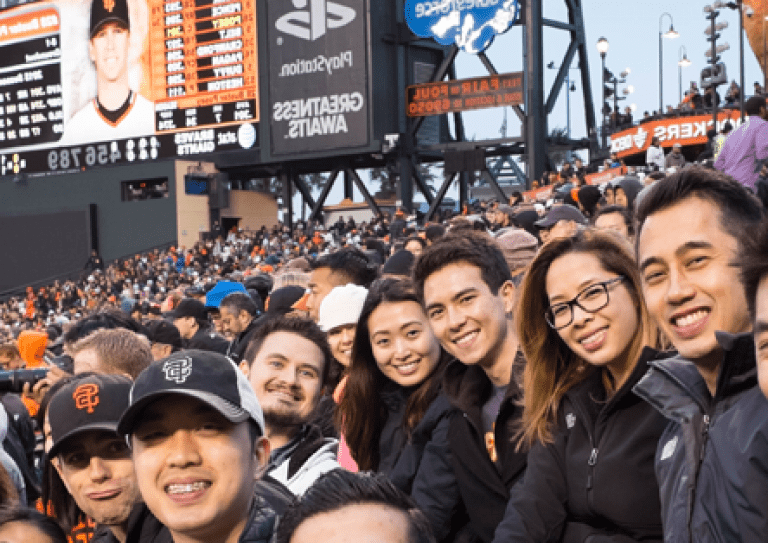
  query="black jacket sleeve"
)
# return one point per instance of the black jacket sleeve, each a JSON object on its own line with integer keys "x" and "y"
{"x": 536, "y": 509}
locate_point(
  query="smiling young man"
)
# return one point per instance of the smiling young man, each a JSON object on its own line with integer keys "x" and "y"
{"x": 287, "y": 363}
{"x": 464, "y": 283}
{"x": 116, "y": 111}
{"x": 196, "y": 432}
{"x": 712, "y": 460}
{"x": 91, "y": 458}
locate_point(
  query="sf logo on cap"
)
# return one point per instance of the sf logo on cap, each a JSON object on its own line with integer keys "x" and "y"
{"x": 109, "y": 5}
{"x": 178, "y": 370}
{"x": 86, "y": 396}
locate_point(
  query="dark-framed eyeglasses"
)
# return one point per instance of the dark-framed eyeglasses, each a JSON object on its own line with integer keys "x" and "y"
{"x": 591, "y": 299}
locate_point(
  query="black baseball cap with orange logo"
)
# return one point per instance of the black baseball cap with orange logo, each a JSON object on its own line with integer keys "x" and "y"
{"x": 109, "y": 11}
{"x": 92, "y": 402}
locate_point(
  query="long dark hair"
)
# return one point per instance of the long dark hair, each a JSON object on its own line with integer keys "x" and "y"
{"x": 55, "y": 498}
{"x": 362, "y": 412}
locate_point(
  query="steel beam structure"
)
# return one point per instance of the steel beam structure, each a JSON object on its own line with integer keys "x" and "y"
{"x": 533, "y": 146}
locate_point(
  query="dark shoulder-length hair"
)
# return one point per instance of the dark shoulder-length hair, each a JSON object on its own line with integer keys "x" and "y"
{"x": 362, "y": 413}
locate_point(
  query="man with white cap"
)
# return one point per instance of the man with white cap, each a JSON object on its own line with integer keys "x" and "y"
{"x": 196, "y": 431}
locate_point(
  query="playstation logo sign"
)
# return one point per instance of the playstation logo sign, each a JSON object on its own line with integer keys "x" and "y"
{"x": 312, "y": 23}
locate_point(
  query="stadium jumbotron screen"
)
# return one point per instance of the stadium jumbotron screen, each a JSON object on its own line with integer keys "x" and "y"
{"x": 87, "y": 83}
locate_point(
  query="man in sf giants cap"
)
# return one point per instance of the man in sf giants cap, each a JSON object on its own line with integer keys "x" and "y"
{"x": 116, "y": 111}
{"x": 94, "y": 462}
{"x": 196, "y": 430}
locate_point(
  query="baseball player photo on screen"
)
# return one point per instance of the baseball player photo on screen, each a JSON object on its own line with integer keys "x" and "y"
{"x": 117, "y": 109}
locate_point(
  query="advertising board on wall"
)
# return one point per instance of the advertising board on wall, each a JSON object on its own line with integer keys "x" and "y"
{"x": 88, "y": 83}
{"x": 318, "y": 84}
{"x": 686, "y": 130}
{"x": 464, "y": 94}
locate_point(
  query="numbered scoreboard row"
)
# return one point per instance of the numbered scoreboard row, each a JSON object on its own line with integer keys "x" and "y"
{"x": 170, "y": 117}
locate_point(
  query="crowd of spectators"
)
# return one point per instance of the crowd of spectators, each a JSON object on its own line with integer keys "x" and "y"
{"x": 589, "y": 368}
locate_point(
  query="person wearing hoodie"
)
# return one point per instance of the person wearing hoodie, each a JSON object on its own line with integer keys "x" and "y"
{"x": 626, "y": 191}
{"x": 588, "y": 198}
{"x": 287, "y": 362}
{"x": 675, "y": 159}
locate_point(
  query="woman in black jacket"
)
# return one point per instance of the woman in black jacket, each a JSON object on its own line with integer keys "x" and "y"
{"x": 395, "y": 417}
{"x": 583, "y": 326}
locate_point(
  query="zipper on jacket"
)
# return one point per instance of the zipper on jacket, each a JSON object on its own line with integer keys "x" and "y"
{"x": 591, "y": 463}
{"x": 704, "y": 436}
{"x": 692, "y": 495}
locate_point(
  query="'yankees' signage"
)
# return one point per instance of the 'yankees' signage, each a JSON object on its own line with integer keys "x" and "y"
{"x": 318, "y": 88}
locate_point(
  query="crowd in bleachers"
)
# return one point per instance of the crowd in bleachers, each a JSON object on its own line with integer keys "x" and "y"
{"x": 587, "y": 368}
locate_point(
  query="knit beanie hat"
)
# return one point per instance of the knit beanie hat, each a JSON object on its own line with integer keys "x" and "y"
{"x": 341, "y": 306}
{"x": 519, "y": 248}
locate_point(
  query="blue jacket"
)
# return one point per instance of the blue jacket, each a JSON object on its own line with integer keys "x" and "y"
{"x": 712, "y": 460}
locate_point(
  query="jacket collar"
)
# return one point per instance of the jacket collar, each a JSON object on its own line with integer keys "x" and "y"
{"x": 592, "y": 386}
{"x": 468, "y": 387}
{"x": 674, "y": 385}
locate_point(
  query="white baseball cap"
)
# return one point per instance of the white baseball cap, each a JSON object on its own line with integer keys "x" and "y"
{"x": 341, "y": 306}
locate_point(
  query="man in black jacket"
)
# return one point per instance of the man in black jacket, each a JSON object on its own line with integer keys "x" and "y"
{"x": 192, "y": 321}
{"x": 464, "y": 283}
{"x": 239, "y": 317}
{"x": 712, "y": 460}
{"x": 196, "y": 432}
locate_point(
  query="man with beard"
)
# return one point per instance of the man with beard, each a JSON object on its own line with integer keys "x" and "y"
{"x": 287, "y": 363}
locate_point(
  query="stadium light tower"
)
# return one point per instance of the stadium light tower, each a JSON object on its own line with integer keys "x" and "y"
{"x": 671, "y": 34}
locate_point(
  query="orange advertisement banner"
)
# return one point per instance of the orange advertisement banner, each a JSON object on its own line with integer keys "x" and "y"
{"x": 541, "y": 194}
{"x": 27, "y": 25}
{"x": 686, "y": 130}
{"x": 464, "y": 94}
{"x": 599, "y": 178}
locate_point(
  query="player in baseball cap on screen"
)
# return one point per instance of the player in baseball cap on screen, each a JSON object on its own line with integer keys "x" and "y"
{"x": 197, "y": 434}
{"x": 116, "y": 111}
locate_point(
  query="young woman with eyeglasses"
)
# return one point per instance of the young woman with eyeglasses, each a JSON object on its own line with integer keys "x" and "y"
{"x": 585, "y": 332}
